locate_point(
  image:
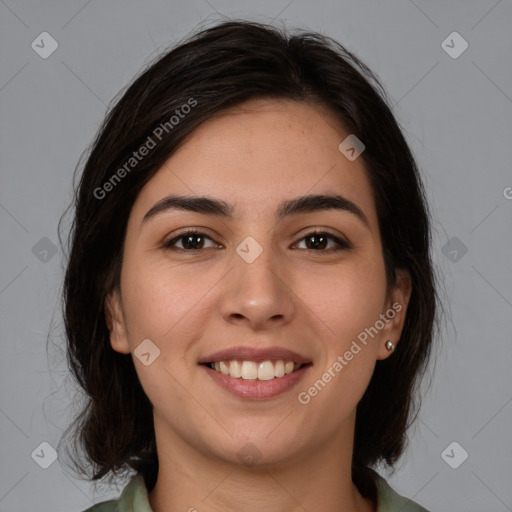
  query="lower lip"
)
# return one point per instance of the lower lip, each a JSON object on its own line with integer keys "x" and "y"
{"x": 257, "y": 389}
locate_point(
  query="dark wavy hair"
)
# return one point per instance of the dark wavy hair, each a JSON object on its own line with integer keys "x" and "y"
{"x": 220, "y": 67}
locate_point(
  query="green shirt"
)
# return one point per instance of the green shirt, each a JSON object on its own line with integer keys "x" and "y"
{"x": 134, "y": 498}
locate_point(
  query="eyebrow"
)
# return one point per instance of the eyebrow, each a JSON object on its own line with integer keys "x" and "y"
{"x": 210, "y": 206}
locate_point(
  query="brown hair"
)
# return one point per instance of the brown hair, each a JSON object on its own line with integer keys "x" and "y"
{"x": 220, "y": 67}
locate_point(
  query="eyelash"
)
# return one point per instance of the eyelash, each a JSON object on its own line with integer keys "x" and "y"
{"x": 343, "y": 245}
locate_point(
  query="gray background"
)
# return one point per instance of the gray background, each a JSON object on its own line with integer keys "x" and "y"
{"x": 456, "y": 115}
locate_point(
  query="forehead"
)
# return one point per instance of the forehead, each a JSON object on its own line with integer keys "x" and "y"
{"x": 260, "y": 153}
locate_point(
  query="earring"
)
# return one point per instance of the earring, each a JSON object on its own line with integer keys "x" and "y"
{"x": 390, "y": 345}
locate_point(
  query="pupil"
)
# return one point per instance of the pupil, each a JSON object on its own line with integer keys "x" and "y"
{"x": 316, "y": 245}
{"x": 189, "y": 242}
{"x": 319, "y": 241}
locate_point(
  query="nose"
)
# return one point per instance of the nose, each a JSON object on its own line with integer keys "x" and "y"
{"x": 259, "y": 294}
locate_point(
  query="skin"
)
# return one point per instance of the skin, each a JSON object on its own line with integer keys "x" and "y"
{"x": 315, "y": 303}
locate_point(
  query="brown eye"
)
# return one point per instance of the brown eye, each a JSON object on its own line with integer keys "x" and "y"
{"x": 319, "y": 241}
{"x": 190, "y": 241}
{"x": 195, "y": 241}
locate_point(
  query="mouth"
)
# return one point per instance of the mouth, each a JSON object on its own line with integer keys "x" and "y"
{"x": 255, "y": 373}
{"x": 252, "y": 370}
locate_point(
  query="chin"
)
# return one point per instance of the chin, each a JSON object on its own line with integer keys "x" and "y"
{"x": 259, "y": 449}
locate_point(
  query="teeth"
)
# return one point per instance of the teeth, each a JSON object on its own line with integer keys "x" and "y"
{"x": 223, "y": 368}
{"x": 235, "y": 369}
{"x": 266, "y": 370}
{"x": 249, "y": 370}
{"x": 279, "y": 369}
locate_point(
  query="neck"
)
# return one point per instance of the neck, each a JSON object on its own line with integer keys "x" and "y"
{"x": 320, "y": 480}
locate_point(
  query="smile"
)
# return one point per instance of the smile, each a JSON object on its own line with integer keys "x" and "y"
{"x": 251, "y": 370}
{"x": 255, "y": 373}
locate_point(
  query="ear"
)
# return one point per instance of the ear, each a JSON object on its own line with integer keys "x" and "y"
{"x": 394, "y": 312}
{"x": 115, "y": 322}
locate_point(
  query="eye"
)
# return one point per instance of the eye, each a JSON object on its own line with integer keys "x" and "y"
{"x": 190, "y": 241}
{"x": 318, "y": 241}
{"x": 194, "y": 241}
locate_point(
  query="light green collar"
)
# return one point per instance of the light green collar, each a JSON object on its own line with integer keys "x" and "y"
{"x": 134, "y": 498}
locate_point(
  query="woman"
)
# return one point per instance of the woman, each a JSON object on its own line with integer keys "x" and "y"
{"x": 249, "y": 299}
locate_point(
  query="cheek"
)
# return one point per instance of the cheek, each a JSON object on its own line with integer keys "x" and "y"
{"x": 347, "y": 303}
{"x": 347, "y": 300}
{"x": 162, "y": 303}
{"x": 161, "y": 300}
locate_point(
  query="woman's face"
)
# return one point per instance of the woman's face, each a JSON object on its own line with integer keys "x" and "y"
{"x": 256, "y": 288}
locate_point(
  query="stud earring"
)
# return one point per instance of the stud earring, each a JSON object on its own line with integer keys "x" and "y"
{"x": 390, "y": 345}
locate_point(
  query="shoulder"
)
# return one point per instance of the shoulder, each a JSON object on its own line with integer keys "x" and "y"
{"x": 134, "y": 498}
{"x": 390, "y": 501}
{"x": 105, "y": 506}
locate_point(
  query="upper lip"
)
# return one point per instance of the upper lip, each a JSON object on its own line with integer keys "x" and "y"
{"x": 254, "y": 354}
